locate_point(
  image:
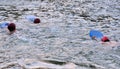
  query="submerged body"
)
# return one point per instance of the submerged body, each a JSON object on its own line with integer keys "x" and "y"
{"x": 111, "y": 43}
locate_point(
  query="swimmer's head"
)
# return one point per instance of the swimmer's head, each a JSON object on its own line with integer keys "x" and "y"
{"x": 105, "y": 39}
{"x": 11, "y": 27}
{"x": 37, "y": 20}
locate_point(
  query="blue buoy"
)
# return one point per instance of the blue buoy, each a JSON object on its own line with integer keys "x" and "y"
{"x": 4, "y": 24}
{"x": 95, "y": 34}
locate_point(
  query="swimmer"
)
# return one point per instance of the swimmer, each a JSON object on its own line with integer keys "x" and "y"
{"x": 107, "y": 42}
{"x": 104, "y": 40}
{"x": 11, "y": 27}
{"x": 33, "y": 19}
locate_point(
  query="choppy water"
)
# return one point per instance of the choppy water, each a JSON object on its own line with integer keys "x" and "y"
{"x": 62, "y": 34}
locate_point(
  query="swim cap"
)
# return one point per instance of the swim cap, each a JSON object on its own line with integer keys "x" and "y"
{"x": 37, "y": 20}
{"x": 105, "y": 39}
{"x": 11, "y": 27}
